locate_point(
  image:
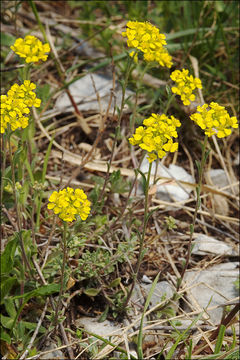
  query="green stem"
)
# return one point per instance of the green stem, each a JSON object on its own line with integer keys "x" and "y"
{"x": 169, "y": 103}
{"x": 19, "y": 223}
{"x": 198, "y": 204}
{"x": 35, "y": 12}
{"x": 3, "y": 165}
{"x": 142, "y": 238}
{"x": 64, "y": 245}
{"x": 132, "y": 121}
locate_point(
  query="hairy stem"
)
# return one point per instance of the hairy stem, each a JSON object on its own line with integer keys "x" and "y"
{"x": 64, "y": 245}
{"x": 19, "y": 223}
{"x": 198, "y": 203}
{"x": 146, "y": 217}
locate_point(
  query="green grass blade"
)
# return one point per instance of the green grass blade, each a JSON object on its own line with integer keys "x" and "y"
{"x": 220, "y": 339}
{"x": 140, "y": 333}
{"x": 174, "y": 346}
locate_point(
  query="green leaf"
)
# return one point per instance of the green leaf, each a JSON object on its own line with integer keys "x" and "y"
{"x": 144, "y": 179}
{"x": 32, "y": 326}
{"x": 180, "y": 34}
{"x": 6, "y": 39}
{"x": 115, "y": 282}
{"x": 7, "y": 257}
{"x": 5, "y": 337}
{"x": 220, "y": 339}
{"x": 20, "y": 330}
{"x": 191, "y": 228}
{"x": 91, "y": 292}
{"x": 6, "y": 286}
{"x": 6, "y": 321}
{"x": 41, "y": 291}
{"x": 10, "y": 307}
{"x": 104, "y": 315}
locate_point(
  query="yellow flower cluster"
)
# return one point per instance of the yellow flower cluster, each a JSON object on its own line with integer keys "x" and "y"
{"x": 156, "y": 136}
{"x": 214, "y": 119}
{"x": 31, "y": 48}
{"x": 185, "y": 85}
{"x": 68, "y": 203}
{"x": 147, "y": 38}
{"x": 15, "y": 105}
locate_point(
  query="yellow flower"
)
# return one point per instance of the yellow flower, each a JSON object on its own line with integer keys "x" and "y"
{"x": 68, "y": 203}
{"x": 156, "y": 136}
{"x": 15, "y": 105}
{"x": 147, "y": 38}
{"x": 185, "y": 85}
{"x": 214, "y": 119}
{"x": 31, "y": 48}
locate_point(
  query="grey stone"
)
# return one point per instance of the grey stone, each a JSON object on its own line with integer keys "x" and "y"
{"x": 206, "y": 245}
{"x": 218, "y": 177}
{"x": 85, "y": 96}
{"x": 104, "y": 329}
{"x": 215, "y": 286}
{"x": 162, "y": 291}
{"x": 171, "y": 191}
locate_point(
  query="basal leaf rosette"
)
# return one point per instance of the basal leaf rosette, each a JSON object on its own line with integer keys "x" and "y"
{"x": 31, "y": 48}
{"x": 214, "y": 120}
{"x": 68, "y": 203}
{"x": 156, "y": 136}
{"x": 147, "y": 38}
{"x": 185, "y": 85}
{"x": 15, "y": 106}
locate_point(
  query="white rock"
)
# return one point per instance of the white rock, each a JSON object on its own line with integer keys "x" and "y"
{"x": 172, "y": 191}
{"x": 85, "y": 97}
{"x": 215, "y": 286}
{"x": 162, "y": 291}
{"x": 104, "y": 329}
{"x": 146, "y": 279}
{"x": 218, "y": 177}
{"x": 205, "y": 245}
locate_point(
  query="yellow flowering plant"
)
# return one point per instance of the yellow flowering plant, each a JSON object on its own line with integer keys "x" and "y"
{"x": 185, "y": 84}
{"x": 156, "y": 136}
{"x": 214, "y": 119}
{"x": 31, "y": 49}
{"x": 16, "y": 105}
{"x": 146, "y": 37}
{"x": 68, "y": 203}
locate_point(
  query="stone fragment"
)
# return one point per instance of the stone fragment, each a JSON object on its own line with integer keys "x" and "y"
{"x": 85, "y": 96}
{"x": 104, "y": 329}
{"x": 172, "y": 191}
{"x": 206, "y": 245}
{"x": 162, "y": 291}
